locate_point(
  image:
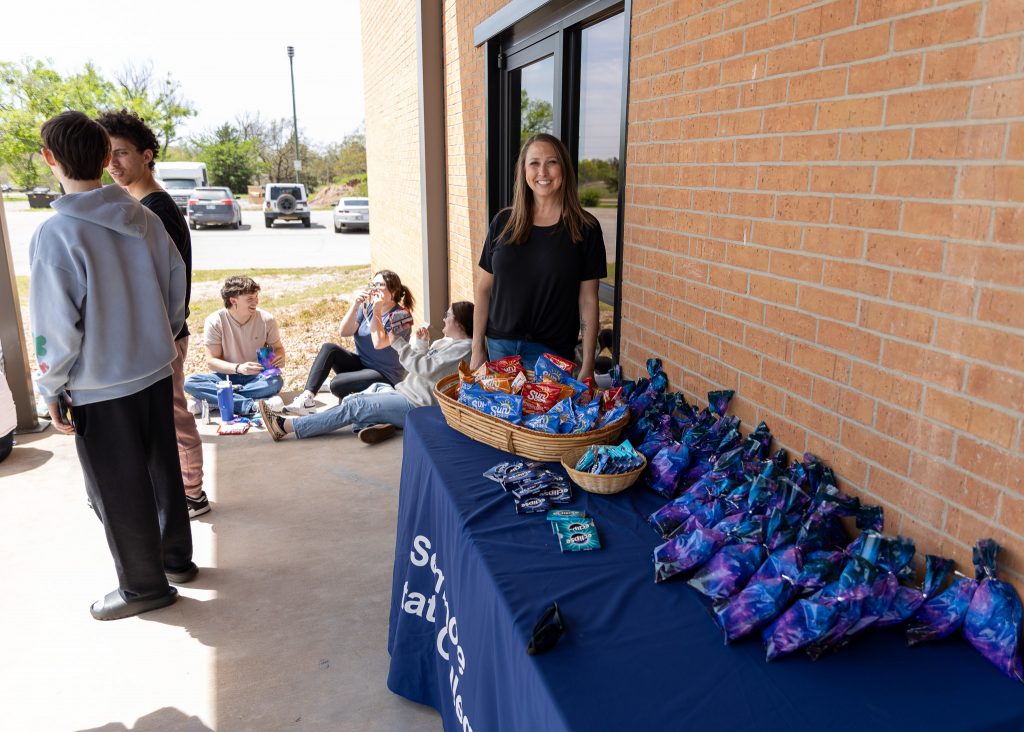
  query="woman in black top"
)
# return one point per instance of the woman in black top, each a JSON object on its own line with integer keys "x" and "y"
{"x": 536, "y": 290}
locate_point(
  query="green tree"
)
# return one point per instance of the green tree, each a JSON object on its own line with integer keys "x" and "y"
{"x": 232, "y": 161}
{"x": 158, "y": 101}
{"x": 535, "y": 115}
{"x": 352, "y": 155}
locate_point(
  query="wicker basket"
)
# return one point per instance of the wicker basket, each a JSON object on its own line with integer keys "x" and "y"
{"x": 515, "y": 439}
{"x": 596, "y": 482}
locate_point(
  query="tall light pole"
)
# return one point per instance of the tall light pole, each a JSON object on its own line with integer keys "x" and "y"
{"x": 295, "y": 116}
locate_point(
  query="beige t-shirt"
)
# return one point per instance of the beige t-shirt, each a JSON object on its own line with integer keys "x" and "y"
{"x": 239, "y": 343}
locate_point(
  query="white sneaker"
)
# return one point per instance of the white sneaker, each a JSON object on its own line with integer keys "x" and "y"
{"x": 301, "y": 405}
{"x": 194, "y": 407}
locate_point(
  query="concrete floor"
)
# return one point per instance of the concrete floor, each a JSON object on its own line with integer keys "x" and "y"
{"x": 284, "y": 628}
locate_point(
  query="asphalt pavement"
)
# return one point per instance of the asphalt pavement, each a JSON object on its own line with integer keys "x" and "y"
{"x": 285, "y": 245}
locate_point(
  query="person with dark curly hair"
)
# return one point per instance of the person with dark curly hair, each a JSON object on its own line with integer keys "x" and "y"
{"x": 133, "y": 149}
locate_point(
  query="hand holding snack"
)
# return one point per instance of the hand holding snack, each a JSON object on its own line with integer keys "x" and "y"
{"x": 249, "y": 368}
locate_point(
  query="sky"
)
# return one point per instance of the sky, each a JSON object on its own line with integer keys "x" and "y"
{"x": 228, "y": 57}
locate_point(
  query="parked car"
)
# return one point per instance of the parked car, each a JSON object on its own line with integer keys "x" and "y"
{"x": 213, "y": 205}
{"x": 285, "y": 202}
{"x": 6, "y": 187}
{"x": 352, "y": 213}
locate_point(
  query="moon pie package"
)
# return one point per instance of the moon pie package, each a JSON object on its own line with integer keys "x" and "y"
{"x": 993, "y": 620}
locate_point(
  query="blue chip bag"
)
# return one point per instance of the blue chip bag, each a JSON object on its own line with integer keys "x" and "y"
{"x": 566, "y": 413}
{"x": 612, "y": 415}
{"x": 993, "y": 620}
{"x": 587, "y": 416}
{"x": 547, "y": 423}
{"x": 508, "y": 407}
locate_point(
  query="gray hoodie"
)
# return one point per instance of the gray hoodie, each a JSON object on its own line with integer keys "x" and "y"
{"x": 107, "y": 295}
{"x": 425, "y": 366}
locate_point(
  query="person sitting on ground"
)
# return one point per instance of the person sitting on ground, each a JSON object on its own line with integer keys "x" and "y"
{"x": 375, "y": 412}
{"x": 374, "y": 361}
{"x": 233, "y": 335}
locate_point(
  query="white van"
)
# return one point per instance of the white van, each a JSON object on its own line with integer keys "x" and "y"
{"x": 181, "y": 179}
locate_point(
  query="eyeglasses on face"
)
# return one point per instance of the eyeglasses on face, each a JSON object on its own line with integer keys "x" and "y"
{"x": 546, "y": 632}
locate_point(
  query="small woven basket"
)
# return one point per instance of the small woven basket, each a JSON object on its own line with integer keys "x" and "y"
{"x": 513, "y": 438}
{"x": 597, "y": 482}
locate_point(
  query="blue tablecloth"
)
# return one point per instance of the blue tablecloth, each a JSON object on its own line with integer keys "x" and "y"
{"x": 471, "y": 578}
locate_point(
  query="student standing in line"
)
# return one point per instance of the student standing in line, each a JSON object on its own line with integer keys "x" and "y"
{"x": 134, "y": 148}
{"x": 536, "y": 289}
{"x": 107, "y": 296}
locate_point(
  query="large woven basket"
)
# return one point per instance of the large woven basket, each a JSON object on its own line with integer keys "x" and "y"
{"x": 513, "y": 438}
{"x": 597, "y": 482}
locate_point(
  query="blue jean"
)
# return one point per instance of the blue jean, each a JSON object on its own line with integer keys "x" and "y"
{"x": 379, "y": 403}
{"x": 529, "y": 350}
{"x": 256, "y": 386}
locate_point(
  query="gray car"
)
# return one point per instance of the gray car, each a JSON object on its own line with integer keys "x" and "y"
{"x": 352, "y": 213}
{"x": 214, "y": 206}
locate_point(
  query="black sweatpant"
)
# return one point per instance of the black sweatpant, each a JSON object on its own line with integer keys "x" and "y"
{"x": 351, "y": 377}
{"x": 129, "y": 454}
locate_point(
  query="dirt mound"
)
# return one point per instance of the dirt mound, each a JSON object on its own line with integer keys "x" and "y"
{"x": 330, "y": 195}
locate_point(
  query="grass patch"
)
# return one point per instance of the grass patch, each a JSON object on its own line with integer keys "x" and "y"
{"x": 219, "y": 275}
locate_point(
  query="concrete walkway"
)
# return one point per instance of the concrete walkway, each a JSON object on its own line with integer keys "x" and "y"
{"x": 284, "y": 628}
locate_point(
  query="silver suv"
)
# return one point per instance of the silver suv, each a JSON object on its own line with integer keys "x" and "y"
{"x": 285, "y": 202}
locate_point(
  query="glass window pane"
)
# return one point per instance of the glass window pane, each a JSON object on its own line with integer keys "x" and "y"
{"x": 601, "y": 61}
{"x": 536, "y": 98}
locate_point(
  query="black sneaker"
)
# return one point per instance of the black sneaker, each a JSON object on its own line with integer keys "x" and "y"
{"x": 197, "y": 506}
{"x": 376, "y": 433}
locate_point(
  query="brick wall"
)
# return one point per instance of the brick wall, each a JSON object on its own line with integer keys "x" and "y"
{"x": 824, "y": 214}
{"x": 392, "y": 138}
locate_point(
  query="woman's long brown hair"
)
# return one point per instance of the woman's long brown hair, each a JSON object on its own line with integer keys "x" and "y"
{"x": 520, "y": 223}
{"x": 401, "y": 294}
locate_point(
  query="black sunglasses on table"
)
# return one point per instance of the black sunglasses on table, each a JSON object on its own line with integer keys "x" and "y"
{"x": 546, "y": 632}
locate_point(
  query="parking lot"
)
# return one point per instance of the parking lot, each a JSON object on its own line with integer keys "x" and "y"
{"x": 285, "y": 245}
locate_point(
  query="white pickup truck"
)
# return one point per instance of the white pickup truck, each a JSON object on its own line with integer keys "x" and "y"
{"x": 181, "y": 179}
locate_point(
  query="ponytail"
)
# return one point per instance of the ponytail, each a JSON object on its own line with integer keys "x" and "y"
{"x": 405, "y": 298}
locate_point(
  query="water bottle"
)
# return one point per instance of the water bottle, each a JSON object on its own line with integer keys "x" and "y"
{"x": 204, "y": 411}
{"x": 225, "y": 401}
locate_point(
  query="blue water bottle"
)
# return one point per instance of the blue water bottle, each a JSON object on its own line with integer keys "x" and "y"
{"x": 225, "y": 401}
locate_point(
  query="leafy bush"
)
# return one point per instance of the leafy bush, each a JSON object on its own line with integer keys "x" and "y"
{"x": 589, "y": 197}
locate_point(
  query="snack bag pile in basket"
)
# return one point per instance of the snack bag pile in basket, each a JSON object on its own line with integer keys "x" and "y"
{"x": 554, "y": 402}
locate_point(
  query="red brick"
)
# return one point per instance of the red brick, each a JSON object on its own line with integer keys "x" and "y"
{"x": 897, "y": 321}
{"x": 754, "y": 149}
{"x": 723, "y": 46}
{"x": 992, "y": 182}
{"x": 1015, "y": 148}
{"x": 791, "y": 436}
{"x": 946, "y": 296}
{"x": 934, "y": 105}
{"x": 856, "y": 45}
{"x": 906, "y": 497}
{"x": 743, "y": 307}
{"x": 869, "y": 213}
{"x": 844, "y": 402}
{"x": 767, "y": 342}
{"x": 728, "y": 279}
{"x": 817, "y": 420}
{"x": 803, "y": 208}
{"x": 1009, "y": 225}
{"x": 743, "y": 359}
{"x": 989, "y": 463}
{"x": 810, "y": 147}
{"x": 999, "y": 99}
{"x": 1003, "y": 16}
{"x": 969, "y": 416}
{"x": 729, "y": 329}
{"x": 958, "y": 222}
{"x": 789, "y": 321}
{"x": 842, "y": 179}
{"x": 763, "y": 93}
{"x": 786, "y": 378}
{"x": 740, "y": 123}
{"x": 977, "y": 61}
{"x": 938, "y": 368}
{"x": 887, "y": 145}
{"x": 825, "y": 18}
{"x": 828, "y": 303}
{"x": 735, "y": 176}
{"x": 835, "y": 242}
{"x": 773, "y": 289}
{"x": 916, "y": 181}
{"x": 976, "y": 142}
{"x": 878, "y": 9}
{"x": 999, "y": 387}
{"x": 880, "y": 449}
{"x": 1005, "y": 307}
{"x": 847, "y": 464}
{"x": 790, "y": 118}
{"x": 904, "y": 252}
{"x": 938, "y": 28}
{"x": 954, "y": 485}
{"x": 782, "y": 178}
{"x": 856, "y": 278}
{"x": 886, "y": 386}
{"x": 762, "y": 393}
{"x": 1002, "y": 266}
{"x": 755, "y": 205}
{"x": 967, "y": 529}
{"x": 800, "y": 57}
{"x": 766, "y": 35}
{"x": 824, "y": 363}
{"x": 747, "y": 256}
{"x": 817, "y": 84}
{"x": 992, "y": 345}
{"x": 779, "y": 235}
{"x": 861, "y": 112}
{"x": 745, "y": 12}
{"x": 892, "y": 73}
{"x": 701, "y": 26}
{"x": 854, "y": 341}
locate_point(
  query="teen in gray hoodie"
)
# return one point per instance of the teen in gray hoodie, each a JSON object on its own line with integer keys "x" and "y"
{"x": 107, "y": 295}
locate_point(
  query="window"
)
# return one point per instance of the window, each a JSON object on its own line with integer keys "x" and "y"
{"x": 561, "y": 68}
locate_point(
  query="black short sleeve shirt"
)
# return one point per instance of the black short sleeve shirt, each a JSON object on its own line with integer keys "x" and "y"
{"x": 536, "y": 288}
